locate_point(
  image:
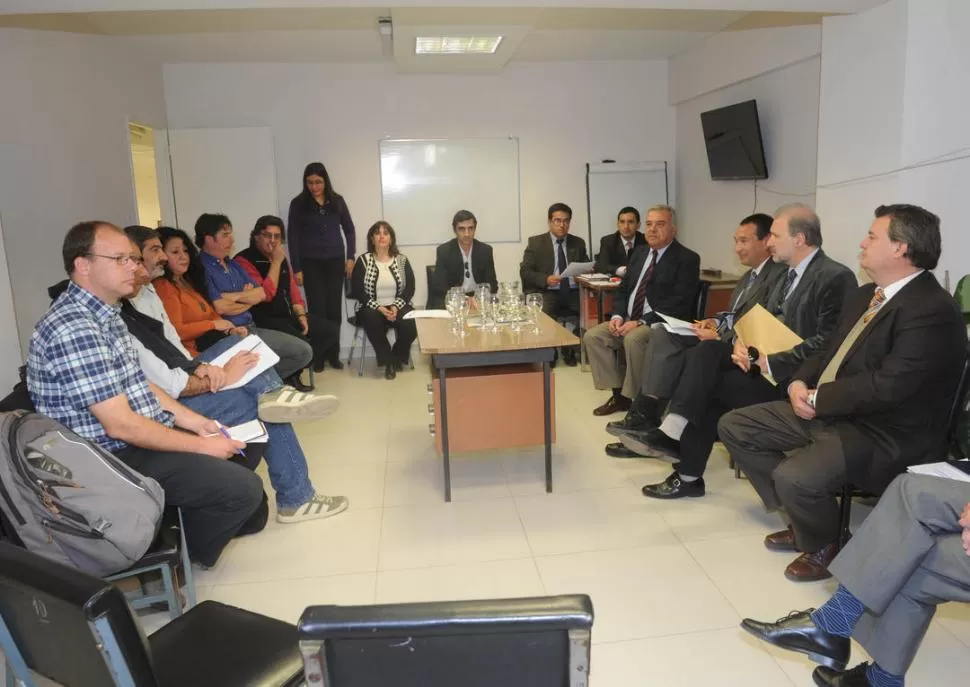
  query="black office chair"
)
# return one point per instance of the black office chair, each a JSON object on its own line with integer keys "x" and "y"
{"x": 429, "y": 273}
{"x": 78, "y": 631}
{"x": 956, "y": 418}
{"x": 700, "y": 300}
{"x": 530, "y": 642}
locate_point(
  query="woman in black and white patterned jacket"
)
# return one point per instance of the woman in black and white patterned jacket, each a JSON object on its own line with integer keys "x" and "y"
{"x": 383, "y": 284}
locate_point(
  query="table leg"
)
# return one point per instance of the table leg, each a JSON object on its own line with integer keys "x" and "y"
{"x": 547, "y": 420}
{"x": 442, "y": 374}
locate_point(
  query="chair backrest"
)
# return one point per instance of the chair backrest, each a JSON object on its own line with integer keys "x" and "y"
{"x": 700, "y": 300}
{"x": 429, "y": 272}
{"x": 67, "y": 625}
{"x": 962, "y": 294}
{"x": 530, "y": 642}
{"x": 957, "y": 438}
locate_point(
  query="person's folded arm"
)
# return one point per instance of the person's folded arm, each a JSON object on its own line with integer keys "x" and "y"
{"x": 268, "y": 284}
{"x": 173, "y": 381}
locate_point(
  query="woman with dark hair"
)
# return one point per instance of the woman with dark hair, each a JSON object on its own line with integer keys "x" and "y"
{"x": 182, "y": 291}
{"x": 320, "y": 256}
{"x": 383, "y": 284}
{"x": 283, "y": 308}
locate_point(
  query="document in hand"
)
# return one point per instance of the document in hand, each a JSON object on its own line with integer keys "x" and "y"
{"x": 574, "y": 269}
{"x": 950, "y": 469}
{"x": 764, "y": 331}
{"x": 252, "y": 432}
{"x": 675, "y": 326}
{"x": 252, "y": 344}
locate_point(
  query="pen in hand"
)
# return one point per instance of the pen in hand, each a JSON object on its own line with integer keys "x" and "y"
{"x": 239, "y": 452}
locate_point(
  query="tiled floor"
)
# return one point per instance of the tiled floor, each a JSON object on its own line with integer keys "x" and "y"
{"x": 670, "y": 581}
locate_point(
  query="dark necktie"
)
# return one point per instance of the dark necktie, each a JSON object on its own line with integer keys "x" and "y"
{"x": 748, "y": 283}
{"x": 785, "y": 291}
{"x": 641, "y": 297}
{"x": 561, "y": 262}
{"x": 628, "y": 246}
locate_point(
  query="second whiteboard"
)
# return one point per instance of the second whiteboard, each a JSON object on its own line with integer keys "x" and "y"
{"x": 424, "y": 182}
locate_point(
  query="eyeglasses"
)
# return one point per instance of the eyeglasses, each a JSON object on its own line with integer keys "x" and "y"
{"x": 271, "y": 237}
{"x": 467, "y": 273}
{"x": 559, "y": 222}
{"x": 120, "y": 260}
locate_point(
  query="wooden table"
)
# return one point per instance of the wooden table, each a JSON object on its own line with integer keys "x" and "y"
{"x": 482, "y": 366}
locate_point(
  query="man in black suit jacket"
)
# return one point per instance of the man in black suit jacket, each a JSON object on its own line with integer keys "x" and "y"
{"x": 666, "y": 352}
{"x": 616, "y": 248}
{"x": 867, "y": 405}
{"x": 542, "y": 263}
{"x": 718, "y": 376}
{"x": 661, "y": 277}
{"x": 464, "y": 261}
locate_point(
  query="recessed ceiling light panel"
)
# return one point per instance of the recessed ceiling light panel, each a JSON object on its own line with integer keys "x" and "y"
{"x": 456, "y": 45}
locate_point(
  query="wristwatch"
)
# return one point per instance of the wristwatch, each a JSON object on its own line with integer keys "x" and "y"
{"x": 753, "y": 354}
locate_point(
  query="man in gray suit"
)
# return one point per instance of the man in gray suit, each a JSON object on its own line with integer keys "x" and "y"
{"x": 910, "y": 555}
{"x": 666, "y": 352}
{"x": 719, "y": 376}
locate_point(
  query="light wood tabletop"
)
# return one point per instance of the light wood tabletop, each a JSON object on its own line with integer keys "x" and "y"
{"x": 435, "y": 337}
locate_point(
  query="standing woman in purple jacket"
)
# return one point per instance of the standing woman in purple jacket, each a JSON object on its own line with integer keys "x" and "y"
{"x": 321, "y": 258}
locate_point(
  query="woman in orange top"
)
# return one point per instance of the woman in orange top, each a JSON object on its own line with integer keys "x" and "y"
{"x": 181, "y": 290}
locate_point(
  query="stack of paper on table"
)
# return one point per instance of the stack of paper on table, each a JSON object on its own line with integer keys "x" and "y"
{"x": 950, "y": 469}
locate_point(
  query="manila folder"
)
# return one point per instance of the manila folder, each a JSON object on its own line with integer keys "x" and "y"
{"x": 764, "y": 331}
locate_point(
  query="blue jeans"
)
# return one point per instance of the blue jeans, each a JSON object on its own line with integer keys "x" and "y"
{"x": 288, "y": 472}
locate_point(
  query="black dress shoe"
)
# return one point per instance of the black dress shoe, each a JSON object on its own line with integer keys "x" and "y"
{"x": 616, "y": 404}
{"x": 675, "y": 488}
{"x": 618, "y": 450}
{"x": 390, "y": 372}
{"x": 641, "y": 416}
{"x": 797, "y": 632}
{"x": 569, "y": 357}
{"x": 335, "y": 363}
{"x": 652, "y": 442}
{"x": 297, "y": 383}
{"x": 856, "y": 677}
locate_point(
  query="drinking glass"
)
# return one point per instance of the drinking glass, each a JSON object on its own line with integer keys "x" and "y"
{"x": 533, "y": 303}
{"x": 481, "y": 293}
{"x": 461, "y": 314}
{"x": 493, "y": 311}
{"x": 515, "y": 305}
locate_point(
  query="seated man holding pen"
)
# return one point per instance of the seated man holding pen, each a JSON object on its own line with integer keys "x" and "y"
{"x": 666, "y": 351}
{"x": 719, "y": 376}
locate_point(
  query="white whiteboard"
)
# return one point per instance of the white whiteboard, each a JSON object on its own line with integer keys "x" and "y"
{"x": 615, "y": 185}
{"x": 425, "y": 182}
{"x": 228, "y": 171}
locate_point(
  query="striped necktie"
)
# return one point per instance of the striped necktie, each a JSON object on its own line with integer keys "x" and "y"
{"x": 832, "y": 369}
{"x": 785, "y": 291}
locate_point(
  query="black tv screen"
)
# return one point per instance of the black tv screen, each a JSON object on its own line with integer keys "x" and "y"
{"x": 733, "y": 138}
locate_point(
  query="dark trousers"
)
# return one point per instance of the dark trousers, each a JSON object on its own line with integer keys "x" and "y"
{"x": 710, "y": 386}
{"x": 217, "y": 497}
{"x": 323, "y": 282}
{"x": 375, "y": 325}
{"x": 323, "y": 335}
{"x": 793, "y": 464}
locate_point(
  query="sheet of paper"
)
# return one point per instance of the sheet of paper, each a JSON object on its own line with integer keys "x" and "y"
{"x": 944, "y": 470}
{"x": 764, "y": 331}
{"x": 252, "y": 343}
{"x": 676, "y": 326}
{"x": 574, "y": 269}
{"x": 427, "y": 315}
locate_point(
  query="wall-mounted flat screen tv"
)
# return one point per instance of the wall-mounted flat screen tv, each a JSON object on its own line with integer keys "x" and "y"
{"x": 733, "y": 138}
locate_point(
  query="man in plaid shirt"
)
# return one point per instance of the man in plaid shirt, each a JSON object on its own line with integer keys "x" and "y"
{"x": 83, "y": 372}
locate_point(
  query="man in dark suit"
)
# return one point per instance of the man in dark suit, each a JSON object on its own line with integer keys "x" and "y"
{"x": 464, "y": 261}
{"x": 866, "y": 406}
{"x": 616, "y": 248}
{"x": 546, "y": 256}
{"x": 666, "y": 352}
{"x": 661, "y": 277}
{"x": 718, "y": 376}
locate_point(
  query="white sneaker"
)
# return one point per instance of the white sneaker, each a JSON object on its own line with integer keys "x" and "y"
{"x": 289, "y": 405}
{"x": 319, "y": 506}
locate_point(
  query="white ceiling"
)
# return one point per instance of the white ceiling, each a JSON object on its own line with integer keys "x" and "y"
{"x": 349, "y": 34}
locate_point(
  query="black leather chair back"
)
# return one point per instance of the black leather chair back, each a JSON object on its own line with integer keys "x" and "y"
{"x": 429, "y": 272}
{"x": 700, "y": 300}
{"x": 49, "y": 610}
{"x": 532, "y": 642}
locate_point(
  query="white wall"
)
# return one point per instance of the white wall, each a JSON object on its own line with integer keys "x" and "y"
{"x": 893, "y": 94}
{"x": 64, "y": 153}
{"x": 788, "y": 109}
{"x": 564, "y": 115}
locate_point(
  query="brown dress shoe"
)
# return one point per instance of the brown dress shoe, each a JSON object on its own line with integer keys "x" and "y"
{"x": 781, "y": 541}
{"x": 616, "y": 404}
{"x": 812, "y": 567}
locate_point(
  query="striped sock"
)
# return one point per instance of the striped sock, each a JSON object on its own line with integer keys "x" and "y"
{"x": 839, "y": 614}
{"x": 878, "y": 677}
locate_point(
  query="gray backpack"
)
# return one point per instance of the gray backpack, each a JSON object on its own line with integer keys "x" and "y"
{"x": 70, "y": 500}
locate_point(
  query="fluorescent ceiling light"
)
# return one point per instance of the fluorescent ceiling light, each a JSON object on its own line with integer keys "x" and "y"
{"x": 456, "y": 45}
